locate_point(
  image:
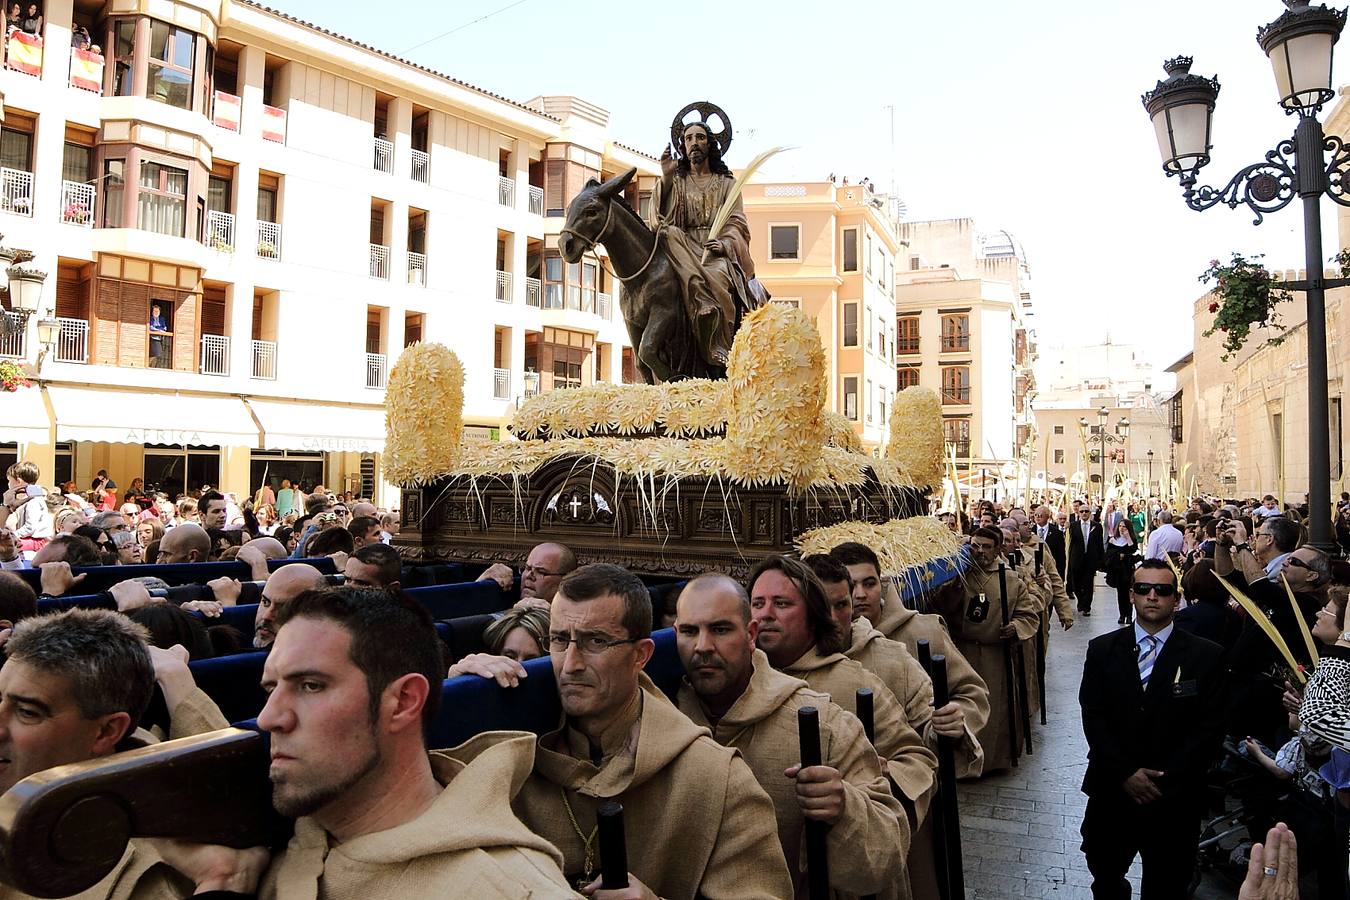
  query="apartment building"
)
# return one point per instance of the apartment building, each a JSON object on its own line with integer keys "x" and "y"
{"x": 964, "y": 328}
{"x": 244, "y": 219}
{"x": 831, "y": 252}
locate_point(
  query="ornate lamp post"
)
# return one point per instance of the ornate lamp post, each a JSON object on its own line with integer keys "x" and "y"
{"x": 1104, "y": 440}
{"x": 1299, "y": 45}
{"x": 1149, "y": 491}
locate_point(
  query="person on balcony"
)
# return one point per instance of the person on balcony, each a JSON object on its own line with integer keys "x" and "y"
{"x": 13, "y": 19}
{"x": 159, "y": 338}
{"x": 32, "y": 21}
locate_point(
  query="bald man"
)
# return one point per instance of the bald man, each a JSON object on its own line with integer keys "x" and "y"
{"x": 283, "y": 585}
{"x": 365, "y": 509}
{"x": 539, "y": 578}
{"x": 188, "y": 543}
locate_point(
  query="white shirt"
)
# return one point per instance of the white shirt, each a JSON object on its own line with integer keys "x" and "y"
{"x": 1165, "y": 539}
{"x": 1161, "y": 637}
{"x": 1263, "y": 512}
{"x": 1273, "y": 567}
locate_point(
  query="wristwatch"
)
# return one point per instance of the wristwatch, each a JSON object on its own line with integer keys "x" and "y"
{"x": 1242, "y": 546}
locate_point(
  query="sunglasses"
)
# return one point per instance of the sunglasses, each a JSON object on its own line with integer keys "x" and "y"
{"x": 1296, "y": 562}
{"x": 1163, "y": 590}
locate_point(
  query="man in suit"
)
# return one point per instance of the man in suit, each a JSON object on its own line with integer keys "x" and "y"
{"x": 1086, "y": 553}
{"x": 1111, "y": 518}
{"x": 1152, "y": 715}
{"x": 1051, "y": 535}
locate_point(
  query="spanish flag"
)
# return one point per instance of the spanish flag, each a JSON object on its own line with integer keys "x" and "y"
{"x": 86, "y": 70}
{"x": 25, "y": 53}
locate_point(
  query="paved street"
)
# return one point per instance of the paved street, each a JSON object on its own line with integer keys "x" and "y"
{"x": 1020, "y": 828}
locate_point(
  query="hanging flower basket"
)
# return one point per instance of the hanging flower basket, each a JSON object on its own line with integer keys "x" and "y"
{"x": 1246, "y": 295}
{"x": 12, "y": 377}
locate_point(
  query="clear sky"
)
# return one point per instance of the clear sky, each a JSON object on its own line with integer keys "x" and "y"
{"x": 1025, "y": 116}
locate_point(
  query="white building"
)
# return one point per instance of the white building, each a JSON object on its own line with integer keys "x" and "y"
{"x": 300, "y": 207}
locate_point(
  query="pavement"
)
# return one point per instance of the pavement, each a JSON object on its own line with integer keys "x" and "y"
{"x": 1020, "y": 828}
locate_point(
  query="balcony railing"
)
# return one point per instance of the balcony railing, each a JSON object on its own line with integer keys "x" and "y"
{"x": 77, "y": 204}
{"x": 13, "y": 337}
{"x": 225, "y": 111}
{"x": 602, "y": 305}
{"x": 533, "y": 292}
{"x": 72, "y": 341}
{"x": 962, "y": 448}
{"x": 955, "y": 342}
{"x": 536, "y": 200}
{"x": 274, "y": 124}
{"x": 417, "y": 269}
{"x": 503, "y": 287}
{"x": 23, "y": 53}
{"x": 377, "y": 368}
{"x": 906, "y": 346}
{"x": 215, "y": 355}
{"x": 16, "y": 192}
{"x": 956, "y": 395}
{"x": 379, "y": 261}
{"x": 384, "y": 156}
{"x": 269, "y": 240}
{"x": 220, "y": 231}
{"x": 501, "y": 384}
{"x": 86, "y": 70}
{"x": 421, "y": 166}
{"x": 265, "y": 360}
{"x": 506, "y": 191}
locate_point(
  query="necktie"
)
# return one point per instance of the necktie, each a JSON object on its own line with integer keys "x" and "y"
{"x": 1147, "y": 654}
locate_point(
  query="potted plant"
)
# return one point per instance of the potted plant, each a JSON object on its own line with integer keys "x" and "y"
{"x": 221, "y": 245}
{"x": 1246, "y": 294}
{"x": 267, "y": 249}
{"x": 12, "y": 377}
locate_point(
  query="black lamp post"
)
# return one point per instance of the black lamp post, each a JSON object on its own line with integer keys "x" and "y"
{"x": 1104, "y": 440}
{"x": 1299, "y": 45}
{"x": 1149, "y": 491}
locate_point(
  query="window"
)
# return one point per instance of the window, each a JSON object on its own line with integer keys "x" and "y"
{"x": 850, "y": 249}
{"x": 906, "y": 376}
{"x": 869, "y": 254}
{"x": 867, "y": 328}
{"x": 955, "y": 333}
{"x": 218, "y": 194}
{"x": 1174, "y": 417}
{"x": 850, "y": 403}
{"x": 1059, "y": 456}
{"x": 1059, "y": 429}
{"x": 567, "y": 363}
{"x": 789, "y": 302}
{"x": 645, "y": 205}
{"x": 956, "y": 432}
{"x": 123, "y": 54}
{"x": 881, "y": 406}
{"x": 553, "y": 282}
{"x": 955, "y": 384}
{"x": 785, "y": 242}
{"x": 869, "y": 399}
{"x": 907, "y": 334}
{"x": 881, "y": 337}
{"x": 77, "y": 163}
{"x": 166, "y": 464}
{"x": 16, "y": 149}
{"x": 1277, "y": 438}
{"x": 172, "y": 53}
{"x": 851, "y": 325}
{"x": 914, "y": 264}
{"x": 267, "y": 205}
{"x": 163, "y": 199}
{"x": 114, "y": 184}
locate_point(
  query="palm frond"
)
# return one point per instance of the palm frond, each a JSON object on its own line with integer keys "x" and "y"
{"x": 730, "y": 203}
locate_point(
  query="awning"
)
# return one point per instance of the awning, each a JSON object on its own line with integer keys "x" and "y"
{"x": 23, "y": 417}
{"x": 319, "y": 426}
{"x": 151, "y": 417}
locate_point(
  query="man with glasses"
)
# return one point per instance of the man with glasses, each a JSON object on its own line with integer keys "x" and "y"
{"x": 539, "y": 578}
{"x": 707, "y": 828}
{"x": 1262, "y": 557}
{"x": 1151, "y": 698}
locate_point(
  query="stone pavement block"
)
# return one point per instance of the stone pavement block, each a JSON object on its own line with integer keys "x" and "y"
{"x": 1067, "y": 832}
{"x": 971, "y": 836}
{"x": 1006, "y": 826}
{"x": 1023, "y": 794}
{"x": 990, "y": 881}
{"x": 1070, "y": 858}
{"x": 1058, "y": 891}
{"x": 1026, "y": 815}
{"x": 993, "y": 853}
{"x": 1031, "y": 871}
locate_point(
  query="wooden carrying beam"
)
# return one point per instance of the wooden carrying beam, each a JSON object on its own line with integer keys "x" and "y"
{"x": 64, "y": 829}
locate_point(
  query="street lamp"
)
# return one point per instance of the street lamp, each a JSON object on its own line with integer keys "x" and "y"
{"x": 1105, "y": 440}
{"x": 1149, "y": 491}
{"x": 1300, "y": 46}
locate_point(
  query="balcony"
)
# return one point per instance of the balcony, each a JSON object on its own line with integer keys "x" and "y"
{"x": 16, "y": 192}
{"x": 955, "y": 343}
{"x": 384, "y": 156}
{"x": 225, "y": 111}
{"x": 220, "y": 231}
{"x": 13, "y": 339}
{"x": 603, "y": 304}
{"x": 534, "y": 290}
{"x": 215, "y": 355}
{"x": 23, "y": 53}
{"x": 274, "y": 124}
{"x": 955, "y": 396}
{"x": 506, "y": 191}
{"x": 269, "y": 240}
{"x": 86, "y": 70}
{"x": 503, "y": 287}
{"x": 377, "y": 370}
{"x": 265, "y": 360}
{"x": 379, "y": 261}
{"x": 77, "y": 204}
{"x": 536, "y": 200}
{"x": 501, "y": 384}
{"x": 72, "y": 341}
{"x": 962, "y": 448}
{"x": 421, "y": 166}
{"x": 417, "y": 269}
{"x": 906, "y": 347}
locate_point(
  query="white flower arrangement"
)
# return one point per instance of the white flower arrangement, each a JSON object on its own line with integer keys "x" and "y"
{"x": 423, "y": 419}
{"x": 899, "y": 544}
{"x": 916, "y": 445}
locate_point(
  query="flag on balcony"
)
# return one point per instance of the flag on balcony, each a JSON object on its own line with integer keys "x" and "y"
{"x": 274, "y": 124}
{"x": 86, "y": 70}
{"x": 25, "y": 53}
{"x": 227, "y": 111}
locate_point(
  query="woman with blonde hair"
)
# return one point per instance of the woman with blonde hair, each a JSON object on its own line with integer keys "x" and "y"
{"x": 149, "y": 530}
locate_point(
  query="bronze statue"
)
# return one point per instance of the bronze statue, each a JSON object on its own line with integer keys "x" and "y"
{"x": 684, "y": 289}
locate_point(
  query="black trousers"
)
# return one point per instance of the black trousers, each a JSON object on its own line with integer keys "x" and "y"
{"x": 1123, "y": 597}
{"x": 1081, "y": 587}
{"x": 1164, "y": 834}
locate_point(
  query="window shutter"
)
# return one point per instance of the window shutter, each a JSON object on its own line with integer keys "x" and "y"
{"x": 69, "y": 296}
{"x": 107, "y": 313}
{"x": 554, "y": 171}
{"x": 213, "y": 315}
{"x": 133, "y": 323}
{"x": 185, "y": 333}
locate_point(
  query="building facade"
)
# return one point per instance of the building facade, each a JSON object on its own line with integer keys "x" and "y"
{"x": 245, "y": 219}
{"x": 964, "y": 327}
{"x": 830, "y": 251}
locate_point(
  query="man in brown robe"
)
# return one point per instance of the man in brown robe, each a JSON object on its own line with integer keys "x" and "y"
{"x": 968, "y": 707}
{"x": 731, "y": 689}
{"x": 976, "y": 614}
{"x": 800, "y": 638}
{"x": 707, "y": 828}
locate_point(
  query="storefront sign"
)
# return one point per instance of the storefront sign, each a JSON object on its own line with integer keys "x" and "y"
{"x": 168, "y": 436}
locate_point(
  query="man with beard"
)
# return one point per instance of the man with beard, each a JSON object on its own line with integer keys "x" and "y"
{"x": 976, "y": 614}
{"x": 708, "y": 828}
{"x": 968, "y": 708}
{"x": 282, "y": 586}
{"x": 799, "y": 637}
{"x": 353, "y": 684}
{"x": 731, "y": 689}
